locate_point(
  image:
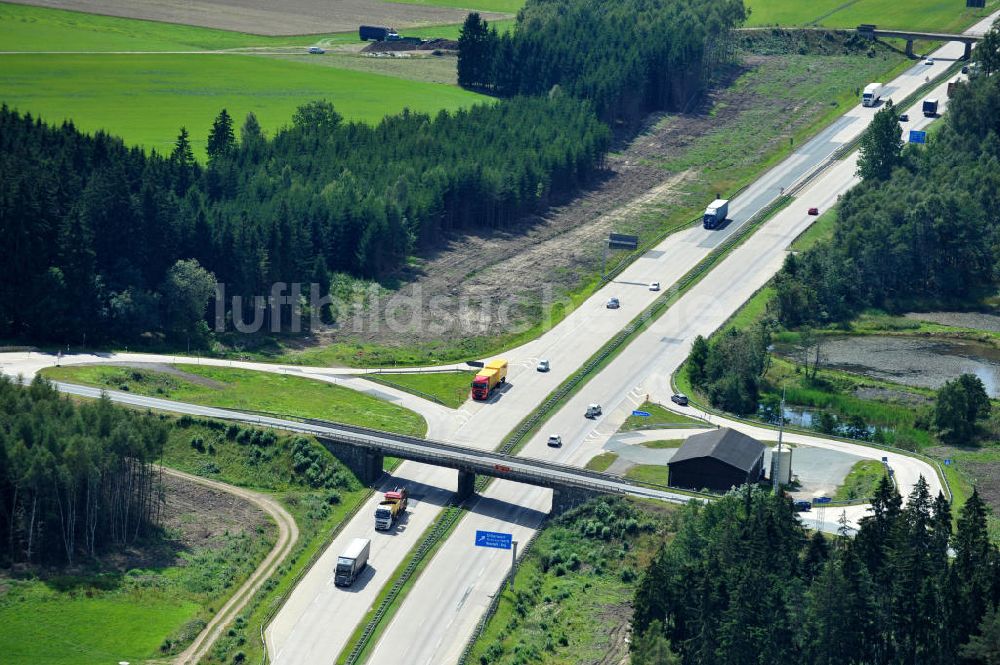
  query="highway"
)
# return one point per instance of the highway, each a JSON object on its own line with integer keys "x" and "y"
{"x": 438, "y": 615}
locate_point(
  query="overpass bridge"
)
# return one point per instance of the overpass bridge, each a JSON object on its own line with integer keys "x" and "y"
{"x": 872, "y": 32}
{"x": 363, "y": 451}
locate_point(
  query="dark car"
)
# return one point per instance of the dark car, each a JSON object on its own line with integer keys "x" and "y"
{"x": 802, "y": 506}
{"x": 813, "y": 211}
{"x": 679, "y": 398}
{"x": 904, "y": 117}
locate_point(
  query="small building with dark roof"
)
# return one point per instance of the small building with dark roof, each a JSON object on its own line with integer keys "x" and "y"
{"x": 717, "y": 460}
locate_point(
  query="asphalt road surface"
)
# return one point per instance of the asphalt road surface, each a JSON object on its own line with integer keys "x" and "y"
{"x": 441, "y": 610}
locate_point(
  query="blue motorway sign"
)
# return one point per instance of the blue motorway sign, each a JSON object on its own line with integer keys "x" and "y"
{"x": 822, "y": 499}
{"x": 495, "y": 539}
{"x": 917, "y": 136}
{"x": 947, "y": 462}
{"x": 641, "y": 414}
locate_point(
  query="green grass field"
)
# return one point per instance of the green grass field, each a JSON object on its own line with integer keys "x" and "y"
{"x": 258, "y": 391}
{"x": 145, "y": 99}
{"x": 45, "y": 627}
{"x": 449, "y": 388}
{"x": 929, "y": 15}
{"x": 660, "y": 445}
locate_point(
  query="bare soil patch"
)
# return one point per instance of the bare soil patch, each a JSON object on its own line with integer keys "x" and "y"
{"x": 196, "y": 516}
{"x": 266, "y": 17}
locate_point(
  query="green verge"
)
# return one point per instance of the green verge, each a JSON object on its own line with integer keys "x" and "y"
{"x": 861, "y": 481}
{"x": 649, "y": 474}
{"x": 819, "y": 231}
{"x": 601, "y": 461}
{"x": 658, "y": 416}
{"x": 232, "y": 388}
{"x": 448, "y": 388}
{"x": 662, "y": 444}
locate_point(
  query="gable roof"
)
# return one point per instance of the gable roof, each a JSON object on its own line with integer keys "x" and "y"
{"x": 726, "y": 445}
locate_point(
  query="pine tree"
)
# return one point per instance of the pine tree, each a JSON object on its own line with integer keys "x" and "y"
{"x": 221, "y": 139}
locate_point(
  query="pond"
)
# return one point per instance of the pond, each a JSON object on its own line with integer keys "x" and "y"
{"x": 912, "y": 361}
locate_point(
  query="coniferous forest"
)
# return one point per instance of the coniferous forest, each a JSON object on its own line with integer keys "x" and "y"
{"x": 742, "y": 582}
{"x": 75, "y": 480}
{"x": 627, "y": 57}
{"x": 103, "y": 241}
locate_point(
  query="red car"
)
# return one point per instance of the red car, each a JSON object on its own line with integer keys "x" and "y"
{"x": 813, "y": 211}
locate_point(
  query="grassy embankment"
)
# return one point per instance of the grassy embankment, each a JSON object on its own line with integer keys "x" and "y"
{"x": 100, "y": 612}
{"x": 448, "y": 388}
{"x": 146, "y": 98}
{"x": 572, "y": 597}
{"x": 268, "y": 392}
{"x": 658, "y": 416}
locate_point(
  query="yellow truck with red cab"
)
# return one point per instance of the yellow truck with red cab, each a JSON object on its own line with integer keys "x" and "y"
{"x": 488, "y": 378}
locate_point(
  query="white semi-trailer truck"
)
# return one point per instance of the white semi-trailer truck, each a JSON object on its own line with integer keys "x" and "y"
{"x": 352, "y": 562}
{"x": 872, "y": 94}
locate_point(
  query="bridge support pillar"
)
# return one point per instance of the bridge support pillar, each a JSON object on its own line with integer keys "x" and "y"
{"x": 968, "y": 51}
{"x": 466, "y": 485}
{"x": 564, "y": 499}
{"x": 909, "y": 48}
{"x": 364, "y": 463}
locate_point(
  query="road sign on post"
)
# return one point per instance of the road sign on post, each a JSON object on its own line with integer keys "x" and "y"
{"x": 947, "y": 462}
{"x": 641, "y": 414}
{"x": 822, "y": 499}
{"x": 917, "y": 136}
{"x": 494, "y": 539}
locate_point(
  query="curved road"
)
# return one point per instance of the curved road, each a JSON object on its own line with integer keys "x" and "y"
{"x": 288, "y": 535}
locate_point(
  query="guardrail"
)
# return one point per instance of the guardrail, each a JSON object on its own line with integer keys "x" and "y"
{"x": 442, "y": 526}
{"x": 491, "y": 609}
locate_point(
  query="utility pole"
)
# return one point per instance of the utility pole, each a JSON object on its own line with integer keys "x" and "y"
{"x": 776, "y": 461}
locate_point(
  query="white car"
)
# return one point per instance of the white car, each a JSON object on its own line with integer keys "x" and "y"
{"x": 614, "y": 303}
{"x": 929, "y": 61}
{"x": 543, "y": 366}
{"x": 654, "y": 286}
{"x": 555, "y": 441}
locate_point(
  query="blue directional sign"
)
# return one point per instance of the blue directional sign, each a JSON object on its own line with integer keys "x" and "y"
{"x": 822, "y": 499}
{"x": 917, "y": 136}
{"x": 495, "y": 539}
{"x": 641, "y": 414}
{"x": 947, "y": 462}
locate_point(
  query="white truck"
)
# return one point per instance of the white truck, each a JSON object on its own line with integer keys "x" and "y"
{"x": 872, "y": 94}
{"x": 352, "y": 562}
{"x": 715, "y": 213}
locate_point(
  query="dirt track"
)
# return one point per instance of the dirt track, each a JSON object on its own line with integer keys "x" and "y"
{"x": 266, "y": 17}
{"x": 288, "y": 535}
